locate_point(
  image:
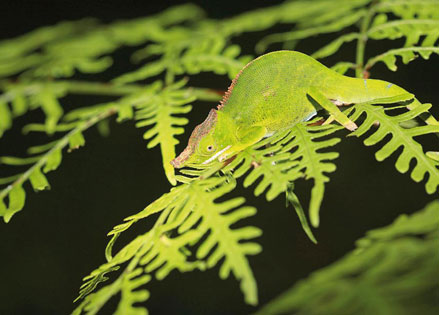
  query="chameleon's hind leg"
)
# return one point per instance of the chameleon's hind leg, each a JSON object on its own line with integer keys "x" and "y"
{"x": 335, "y": 112}
{"x": 330, "y": 119}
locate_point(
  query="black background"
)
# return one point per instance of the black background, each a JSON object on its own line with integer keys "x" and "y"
{"x": 60, "y": 235}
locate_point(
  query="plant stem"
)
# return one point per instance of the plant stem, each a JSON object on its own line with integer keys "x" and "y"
{"x": 61, "y": 144}
{"x": 361, "y": 42}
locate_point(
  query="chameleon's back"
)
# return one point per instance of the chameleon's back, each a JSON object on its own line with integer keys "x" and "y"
{"x": 271, "y": 90}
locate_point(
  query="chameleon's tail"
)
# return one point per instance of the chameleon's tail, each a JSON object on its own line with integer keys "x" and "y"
{"x": 374, "y": 89}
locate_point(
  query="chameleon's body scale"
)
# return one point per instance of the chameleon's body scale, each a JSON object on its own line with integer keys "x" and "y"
{"x": 273, "y": 90}
{"x": 272, "y": 93}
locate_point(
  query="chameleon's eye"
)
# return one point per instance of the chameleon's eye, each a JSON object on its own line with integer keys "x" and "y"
{"x": 210, "y": 148}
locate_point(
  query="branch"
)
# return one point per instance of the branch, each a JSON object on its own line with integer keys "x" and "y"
{"x": 61, "y": 144}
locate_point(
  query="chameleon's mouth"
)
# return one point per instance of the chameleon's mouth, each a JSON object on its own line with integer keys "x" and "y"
{"x": 182, "y": 158}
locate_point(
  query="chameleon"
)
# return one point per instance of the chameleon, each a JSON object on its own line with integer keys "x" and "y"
{"x": 274, "y": 92}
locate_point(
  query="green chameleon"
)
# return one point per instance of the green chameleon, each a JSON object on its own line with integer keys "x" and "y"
{"x": 274, "y": 92}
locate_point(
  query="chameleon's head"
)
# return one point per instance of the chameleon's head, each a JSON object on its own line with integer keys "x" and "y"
{"x": 207, "y": 143}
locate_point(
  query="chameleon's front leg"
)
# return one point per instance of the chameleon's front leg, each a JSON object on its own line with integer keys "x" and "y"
{"x": 335, "y": 112}
{"x": 247, "y": 137}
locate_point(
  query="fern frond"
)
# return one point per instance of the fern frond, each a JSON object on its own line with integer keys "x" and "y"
{"x": 416, "y": 19}
{"x": 395, "y": 267}
{"x": 48, "y": 161}
{"x": 407, "y": 54}
{"x": 334, "y": 46}
{"x": 342, "y": 67}
{"x": 18, "y": 99}
{"x": 292, "y": 199}
{"x": 273, "y": 164}
{"x": 190, "y": 55}
{"x": 337, "y": 24}
{"x": 222, "y": 241}
{"x": 313, "y": 163}
{"x": 5, "y": 118}
{"x": 411, "y": 29}
{"x": 410, "y": 9}
{"x": 303, "y": 12}
{"x": 400, "y": 137}
{"x": 290, "y": 156}
{"x": 155, "y": 106}
{"x": 159, "y": 112}
{"x": 190, "y": 212}
{"x": 17, "y": 54}
{"x": 130, "y": 294}
{"x": 84, "y": 45}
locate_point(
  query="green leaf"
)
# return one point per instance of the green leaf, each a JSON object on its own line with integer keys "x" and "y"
{"x": 17, "y": 197}
{"x": 76, "y": 140}
{"x": 160, "y": 112}
{"x": 401, "y": 137}
{"x": 51, "y": 107}
{"x": 9, "y": 179}
{"x": 5, "y": 118}
{"x": 422, "y": 9}
{"x": 335, "y": 45}
{"x": 167, "y": 254}
{"x": 53, "y": 161}
{"x": 37, "y": 149}
{"x": 214, "y": 219}
{"x": 3, "y": 209}
{"x": 104, "y": 128}
{"x": 43, "y": 128}
{"x": 433, "y": 155}
{"x": 395, "y": 267}
{"x": 290, "y": 156}
{"x": 411, "y": 29}
{"x": 335, "y": 25}
{"x": 13, "y": 160}
{"x": 19, "y": 105}
{"x": 125, "y": 112}
{"x": 38, "y": 180}
{"x": 276, "y": 168}
{"x": 407, "y": 54}
{"x": 295, "y": 202}
{"x": 131, "y": 296}
{"x": 168, "y": 245}
{"x": 342, "y": 67}
{"x": 195, "y": 54}
{"x": 314, "y": 163}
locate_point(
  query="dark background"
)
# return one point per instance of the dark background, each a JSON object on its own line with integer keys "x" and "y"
{"x": 60, "y": 235}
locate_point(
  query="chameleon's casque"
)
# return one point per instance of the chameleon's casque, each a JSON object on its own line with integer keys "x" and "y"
{"x": 272, "y": 93}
